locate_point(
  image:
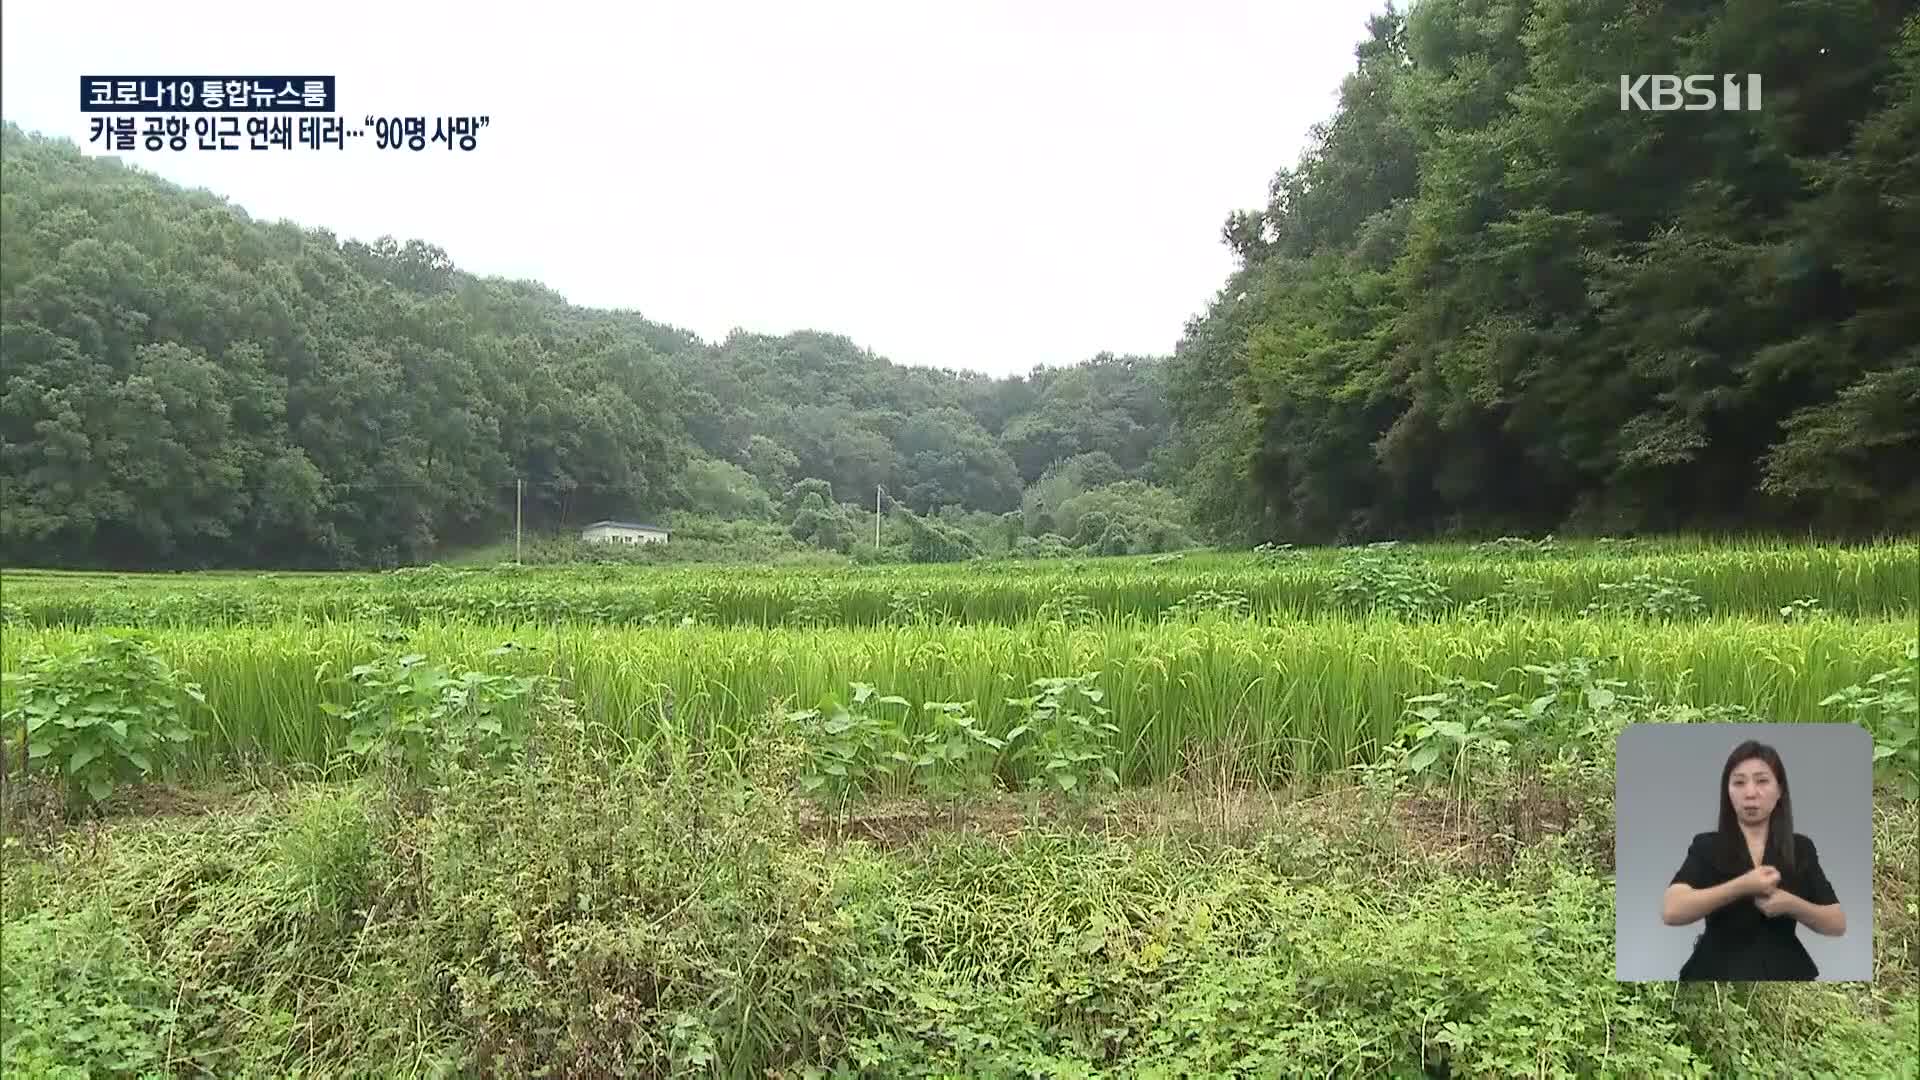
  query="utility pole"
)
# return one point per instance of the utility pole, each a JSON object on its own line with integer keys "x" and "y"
{"x": 518, "y": 486}
{"x": 876, "y": 517}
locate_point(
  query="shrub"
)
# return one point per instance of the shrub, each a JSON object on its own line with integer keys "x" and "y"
{"x": 1378, "y": 580}
{"x": 1063, "y": 729}
{"x": 1888, "y": 706}
{"x": 1646, "y": 596}
{"x": 101, "y": 716}
{"x": 418, "y": 716}
{"x": 854, "y": 747}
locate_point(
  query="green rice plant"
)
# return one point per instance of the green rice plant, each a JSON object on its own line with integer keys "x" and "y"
{"x": 1805, "y": 607}
{"x": 1286, "y": 699}
{"x": 1729, "y": 577}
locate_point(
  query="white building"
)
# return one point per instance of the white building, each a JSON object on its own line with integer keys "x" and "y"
{"x": 624, "y": 532}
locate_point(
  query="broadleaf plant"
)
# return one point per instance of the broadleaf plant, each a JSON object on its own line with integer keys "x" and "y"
{"x": 1065, "y": 732}
{"x": 413, "y": 715}
{"x": 101, "y": 716}
{"x": 1888, "y": 706}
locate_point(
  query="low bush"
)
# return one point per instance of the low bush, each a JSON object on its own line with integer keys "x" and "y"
{"x": 98, "y": 716}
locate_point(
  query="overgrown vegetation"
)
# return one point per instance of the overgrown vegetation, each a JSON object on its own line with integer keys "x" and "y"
{"x": 1086, "y": 842}
{"x": 96, "y": 718}
{"x": 1888, "y": 705}
{"x": 592, "y": 907}
{"x": 420, "y": 717}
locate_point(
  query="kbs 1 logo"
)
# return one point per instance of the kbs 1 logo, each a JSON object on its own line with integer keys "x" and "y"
{"x": 1690, "y": 93}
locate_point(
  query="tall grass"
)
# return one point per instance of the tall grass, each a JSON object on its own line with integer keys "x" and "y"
{"x": 1279, "y": 701}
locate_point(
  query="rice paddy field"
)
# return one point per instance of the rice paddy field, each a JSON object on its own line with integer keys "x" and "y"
{"x": 1275, "y": 813}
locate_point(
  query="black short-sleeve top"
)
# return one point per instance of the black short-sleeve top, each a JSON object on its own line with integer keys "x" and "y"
{"x": 1742, "y": 943}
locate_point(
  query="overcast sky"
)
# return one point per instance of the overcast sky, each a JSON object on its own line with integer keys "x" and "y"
{"x": 983, "y": 185}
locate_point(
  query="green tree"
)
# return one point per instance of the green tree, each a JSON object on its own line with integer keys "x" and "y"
{"x": 1489, "y": 299}
{"x": 726, "y": 490}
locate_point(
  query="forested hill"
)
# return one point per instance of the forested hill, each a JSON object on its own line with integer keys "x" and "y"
{"x": 1488, "y": 300}
{"x": 185, "y": 386}
{"x": 1491, "y": 298}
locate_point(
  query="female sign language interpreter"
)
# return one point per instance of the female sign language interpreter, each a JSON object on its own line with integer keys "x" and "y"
{"x": 1755, "y": 880}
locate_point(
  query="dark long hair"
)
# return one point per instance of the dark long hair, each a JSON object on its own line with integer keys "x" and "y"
{"x": 1780, "y": 845}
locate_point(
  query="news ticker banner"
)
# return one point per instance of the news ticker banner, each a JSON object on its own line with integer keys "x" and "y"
{"x": 250, "y": 112}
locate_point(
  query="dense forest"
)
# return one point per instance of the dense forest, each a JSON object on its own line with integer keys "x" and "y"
{"x": 185, "y": 386}
{"x": 1487, "y": 300}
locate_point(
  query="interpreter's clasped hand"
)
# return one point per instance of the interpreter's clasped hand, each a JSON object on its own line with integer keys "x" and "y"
{"x": 1761, "y": 880}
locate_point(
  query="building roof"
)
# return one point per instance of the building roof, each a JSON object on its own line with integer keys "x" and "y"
{"x": 629, "y": 525}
